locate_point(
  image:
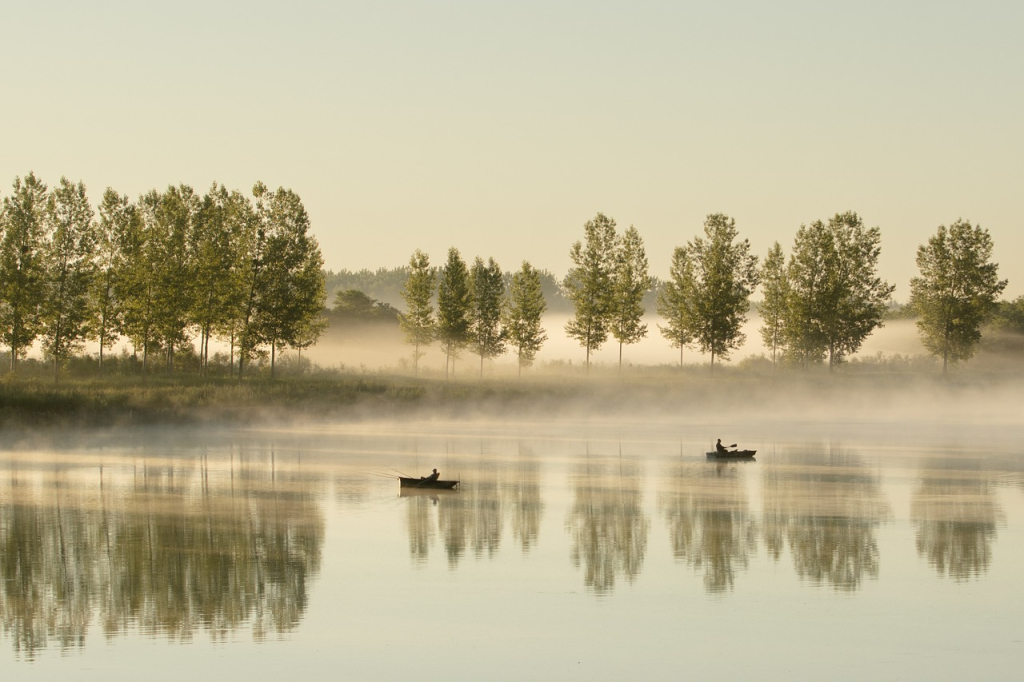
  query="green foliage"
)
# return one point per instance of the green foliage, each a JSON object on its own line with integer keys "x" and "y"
{"x": 630, "y": 284}
{"x": 382, "y": 284}
{"x": 523, "y": 314}
{"x": 134, "y": 287}
{"x": 105, "y": 310}
{"x": 725, "y": 274}
{"x": 1009, "y": 315}
{"x": 956, "y": 290}
{"x": 293, "y": 294}
{"x": 487, "y": 288}
{"x": 453, "y": 308}
{"x": 170, "y": 218}
{"x": 418, "y": 322}
{"x": 675, "y": 303}
{"x": 772, "y": 310}
{"x": 70, "y": 269}
{"x": 215, "y": 243}
{"x": 22, "y": 265}
{"x": 588, "y": 284}
{"x": 836, "y": 300}
{"x": 353, "y": 307}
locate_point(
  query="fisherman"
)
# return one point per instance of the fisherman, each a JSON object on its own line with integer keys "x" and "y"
{"x": 431, "y": 478}
{"x": 721, "y": 449}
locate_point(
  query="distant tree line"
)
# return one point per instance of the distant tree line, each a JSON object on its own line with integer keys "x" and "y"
{"x": 818, "y": 305}
{"x": 387, "y": 284}
{"x": 174, "y": 269}
{"x": 162, "y": 271}
{"x": 474, "y": 309}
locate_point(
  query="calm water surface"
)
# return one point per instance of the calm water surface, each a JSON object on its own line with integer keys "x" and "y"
{"x": 591, "y": 551}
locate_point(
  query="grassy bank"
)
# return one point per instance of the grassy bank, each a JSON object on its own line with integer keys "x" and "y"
{"x": 28, "y": 403}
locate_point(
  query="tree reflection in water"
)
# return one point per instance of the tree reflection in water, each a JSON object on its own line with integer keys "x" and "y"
{"x": 607, "y": 525}
{"x": 473, "y": 517}
{"x": 169, "y": 548}
{"x": 956, "y": 519}
{"x": 710, "y": 525}
{"x": 521, "y": 496}
{"x": 825, "y": 506}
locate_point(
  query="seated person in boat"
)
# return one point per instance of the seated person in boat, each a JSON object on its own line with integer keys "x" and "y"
{"x": 432, "y": 477}
{"x": 721, "y": 449}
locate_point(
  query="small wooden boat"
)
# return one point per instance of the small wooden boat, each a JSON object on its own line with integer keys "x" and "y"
{"x": 426, "y": 483}
{"x": 732, "y": 454}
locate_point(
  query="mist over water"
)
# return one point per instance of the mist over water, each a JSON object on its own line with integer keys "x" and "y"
{"x": 582, "y": 547}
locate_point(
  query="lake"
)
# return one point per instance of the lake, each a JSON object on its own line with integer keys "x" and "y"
{"x": 597, "y": 549}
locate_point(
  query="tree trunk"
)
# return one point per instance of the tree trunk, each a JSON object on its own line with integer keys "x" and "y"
{"x": 273, "y": 353}
{"x": 620, "y": 357}
{"x": 14, "y": 346}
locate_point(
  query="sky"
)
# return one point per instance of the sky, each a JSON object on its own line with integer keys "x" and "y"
{"x": 501, "y": 128}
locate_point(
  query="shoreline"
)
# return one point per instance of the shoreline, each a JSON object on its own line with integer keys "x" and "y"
{"x": 729, "y": 395}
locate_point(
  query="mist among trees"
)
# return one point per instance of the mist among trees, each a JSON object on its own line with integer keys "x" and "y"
{"x": 173, "y": 271}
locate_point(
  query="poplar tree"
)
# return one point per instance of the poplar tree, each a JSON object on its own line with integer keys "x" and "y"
{"x": 293, "y": 290}
{"x": 772, "y": 309}
{"x": 675, "y": 302}
{"x": 253, "y": 262}
{"x": 215, "y": 242}
{"x": 134, "y": 284}
{"x": 417, "y": 322}
{"x": 836, "y": 298}
{"x": 725, "y": 274}
{"x": 104, "y": 307}
{"x": 630, "y": 283}
{"x": 956, "y": 290}
{"x": 523, "y": 315}
{"x": 70, "y": 268}
{"x": 170, "y": 219}
{"x": 487, "y": 287}
{"x": 588, "y": 284}
{"x": 22, "y": 264}
{"x": 453, "y": 308}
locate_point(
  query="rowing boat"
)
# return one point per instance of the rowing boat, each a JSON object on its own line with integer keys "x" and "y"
{"x": 426, "y": 483}
{"x": 732, "y": 455}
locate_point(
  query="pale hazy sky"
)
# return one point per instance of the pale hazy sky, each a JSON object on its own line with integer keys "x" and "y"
{"x": 500, "y": 128}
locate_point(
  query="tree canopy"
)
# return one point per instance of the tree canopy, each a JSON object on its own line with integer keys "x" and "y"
{"x": 588, "y": 284}
{"x": 724, "y": 276}
{"x": 956, "y": 290}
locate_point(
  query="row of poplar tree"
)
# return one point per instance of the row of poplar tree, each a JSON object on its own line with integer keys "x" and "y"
{"x": 820, "y": 304}
{"x": 475, "y": 309}
{"x": 160, "y": 271}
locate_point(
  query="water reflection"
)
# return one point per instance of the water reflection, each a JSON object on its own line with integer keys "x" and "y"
{"x": 170, "y": 547}
{"x": 472, "y": 519}
{"x": 521, "y": 495}
{"x": 710, "y": 524}
{"x": 607, "y": 524}
{"x": 825, "y": 506}
{"x": 956, "y": 515}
